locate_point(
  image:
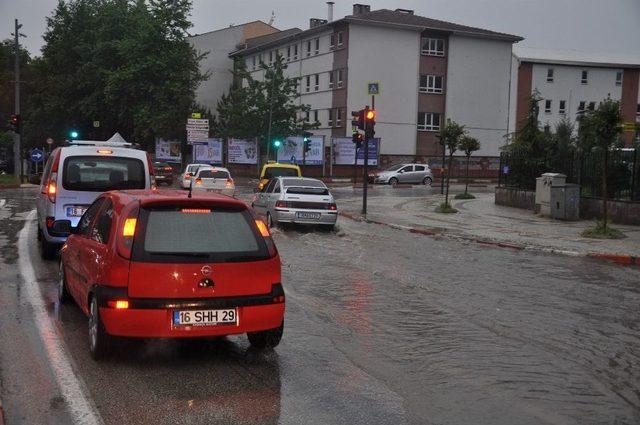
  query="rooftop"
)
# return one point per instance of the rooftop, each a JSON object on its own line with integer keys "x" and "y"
{"x": 575, "y": 57}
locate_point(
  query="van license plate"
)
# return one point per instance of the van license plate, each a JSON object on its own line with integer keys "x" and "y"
{"x": 205, "y": 317}
{"x": 75, "y": 211}
{"x": 309, "y": 215}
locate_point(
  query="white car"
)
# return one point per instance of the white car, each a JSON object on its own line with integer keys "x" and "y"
{"x": 185, "y": 177}
{"x": 75, "y": 175}
{"x": 297, "y": 200}
{"x": 214, "y": 179}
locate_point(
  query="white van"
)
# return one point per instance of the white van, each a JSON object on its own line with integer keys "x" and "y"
{"x": 75, "y": 175}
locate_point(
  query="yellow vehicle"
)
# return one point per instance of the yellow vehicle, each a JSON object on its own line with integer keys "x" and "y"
{"x": 276, "y": 169}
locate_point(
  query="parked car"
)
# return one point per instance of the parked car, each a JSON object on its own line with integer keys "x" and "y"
{"x": 158, "y": 264}
{"x": 404, "y": 173}
{"x": 75, "y": 175}
{"x": 215, "y": 179}
{"x": 276, "y": 169}
{"x": 185, "y": 177}
{"x": 163, "y": 173}
{"x": 296, "y": 200}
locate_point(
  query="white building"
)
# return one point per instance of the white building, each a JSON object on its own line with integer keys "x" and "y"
{"x": 428, "y": 71}
{"x": 217, "y": 45}
{"x": 570, "y": 82}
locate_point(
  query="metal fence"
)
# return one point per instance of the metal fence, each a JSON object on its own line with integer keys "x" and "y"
{"x": 623, "y": 176}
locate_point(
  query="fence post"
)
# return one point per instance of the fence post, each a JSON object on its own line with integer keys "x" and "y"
{"x": 634, "y": 175}
{"x": 500, "y": 171}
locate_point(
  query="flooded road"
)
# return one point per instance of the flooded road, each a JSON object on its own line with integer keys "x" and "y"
{"x": 382, "y": 326}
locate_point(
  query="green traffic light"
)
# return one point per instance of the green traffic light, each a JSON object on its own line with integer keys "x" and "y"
{"x": 73, "y": 134}
{"x": 276, "y": 143}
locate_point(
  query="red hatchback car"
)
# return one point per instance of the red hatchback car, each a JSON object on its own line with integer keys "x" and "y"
{"x": 158, "y": 264}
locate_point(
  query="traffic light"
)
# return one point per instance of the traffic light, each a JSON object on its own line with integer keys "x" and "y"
{"x": 357, "y": 119}
{"x": 15, "y": 123}
{"x": 370, "y": 122}
{"x": 357, "y": 139}
{"x": 276, "y": 143}
{"x": 306, "y": 138}
{"x": 74, "y": 134}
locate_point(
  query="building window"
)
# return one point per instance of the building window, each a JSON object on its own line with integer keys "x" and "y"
{"x": 338, "y": 117}
{"x": 332, "y": 41}
{"x": 253, "y": 62}
{"x": 316, "y": 86}
{"x": 306, "y": 116}
{"x": 330, "y": 79}
{"x": 295, "y": 52}
{"x": 562, "y": 109}
{"x": 288, "y": 53}
{"x": 315, "y": 116}
{"x": 547, "y": 106}
{"x": 638, "y": 110}
{"x": 330, "y": 121}
{"x": 550, "y": 75}
{"x": 340, "y": 38}
{"x": 585, "y": 77}
{"x": 339, "y": 78}
{"x": 433, "y": 46}
{"x": 431, "y": 84}
{"x": 581, "y": 107}
{"x": 309, "y": 48}
{"x": 592, "y": 106}
{"x": 428, "y": 121}
{"x": 317, "y": 42}
{"x": 619, "y": 78}
{"x": 271, "y": 57}
{"x": 308, "y": 85}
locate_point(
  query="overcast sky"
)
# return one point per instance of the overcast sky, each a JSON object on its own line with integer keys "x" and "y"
{"x": 599, "y": 26}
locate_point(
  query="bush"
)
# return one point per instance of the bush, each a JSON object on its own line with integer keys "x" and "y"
{"x": 602, "y": 232}
{"x": 465, "y": 195}
{"x": 446, "y": 208}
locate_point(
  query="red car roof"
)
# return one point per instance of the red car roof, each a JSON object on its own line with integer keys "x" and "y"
{"x": 171, "y": 197}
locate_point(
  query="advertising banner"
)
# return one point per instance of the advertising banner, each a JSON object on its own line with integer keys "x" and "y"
{"x": 292, "y": 148}
{"x": 209, "y": 152}
{"x": 168, "y": 150}
{"x": 242, "y": 151}
{"x": 344, "y": 151}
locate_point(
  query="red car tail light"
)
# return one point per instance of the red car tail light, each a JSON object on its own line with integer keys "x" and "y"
{"x": 118, "y": 304}
{"x": 168, "y": 169}
{"x": 195, "y": 210}
{"x": 127, "y": 234}
{"x": 264, "y": 231}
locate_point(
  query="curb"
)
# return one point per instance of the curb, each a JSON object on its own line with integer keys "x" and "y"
{"x": 620, "y": 259}
{"x": 9, "y": 186}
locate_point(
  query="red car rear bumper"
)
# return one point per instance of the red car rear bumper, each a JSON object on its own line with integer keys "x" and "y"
{"x": 147, "y": 323}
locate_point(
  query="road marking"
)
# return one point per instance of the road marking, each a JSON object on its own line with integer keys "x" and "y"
{"x": 73, "y": 390}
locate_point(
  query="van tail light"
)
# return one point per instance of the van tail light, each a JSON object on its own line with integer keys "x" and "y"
{"x": 127, "y": 233}
{"x": 52, "y": 187}
{"x": 198, "y": 181}
{"x": 229, "y": 182}
{"x": 264, "y": 232}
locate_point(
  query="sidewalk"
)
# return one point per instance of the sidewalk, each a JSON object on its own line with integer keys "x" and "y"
{"x": 480, "y": 220}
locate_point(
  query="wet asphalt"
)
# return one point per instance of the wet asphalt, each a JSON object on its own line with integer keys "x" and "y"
{"x": 382, "y": 326}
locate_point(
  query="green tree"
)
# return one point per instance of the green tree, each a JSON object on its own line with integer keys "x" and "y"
{"x": 127, "y": 64}
{"x": 450, "y": 135}
{"x": 468, "y": 145}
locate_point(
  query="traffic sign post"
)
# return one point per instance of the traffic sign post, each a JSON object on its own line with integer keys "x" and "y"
{"x": 197, "y": 129}
{"x": 36, "y": 155}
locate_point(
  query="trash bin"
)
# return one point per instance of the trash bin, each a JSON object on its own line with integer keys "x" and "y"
{"x": 565, "y": 202}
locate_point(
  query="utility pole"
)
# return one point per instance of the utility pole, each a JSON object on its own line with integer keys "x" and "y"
{"x": 17, "y": 155}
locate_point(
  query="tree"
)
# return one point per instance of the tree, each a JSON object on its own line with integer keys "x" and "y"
{"x": 127, "y": 64}
{"x": 450, "y": 135}
{"x": 468, "y": 145}
{"x": 265, "y": 109}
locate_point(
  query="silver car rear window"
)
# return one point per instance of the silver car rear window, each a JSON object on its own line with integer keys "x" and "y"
{"x": 102, "y": 173}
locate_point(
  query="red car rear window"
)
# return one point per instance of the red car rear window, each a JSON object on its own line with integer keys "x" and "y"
{"x": 196, "y": 234}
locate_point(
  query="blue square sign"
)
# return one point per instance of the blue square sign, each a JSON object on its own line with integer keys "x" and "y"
{"x": 373, "y": 87}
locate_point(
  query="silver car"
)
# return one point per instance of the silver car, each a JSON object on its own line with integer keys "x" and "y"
{"x": 296, "y": 200}
{"x": 405, "y": 173}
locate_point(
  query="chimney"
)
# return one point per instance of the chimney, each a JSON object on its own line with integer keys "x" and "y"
{"x": 359, "y": 9}
{"x": 315, "y": 22}
{"x": 330, "y": 11}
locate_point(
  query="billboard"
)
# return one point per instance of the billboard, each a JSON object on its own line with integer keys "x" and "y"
{"x": 344, "y": 151}
{"x": 208, "y": 152}
{"x": 292, "y": 151}
{"x": 168, "y": 150}
{"x": 242, "y": 151}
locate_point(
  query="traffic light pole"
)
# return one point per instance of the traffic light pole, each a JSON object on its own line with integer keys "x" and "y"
{"x": 17, "y": 156}
{"x": 365, "y": 177}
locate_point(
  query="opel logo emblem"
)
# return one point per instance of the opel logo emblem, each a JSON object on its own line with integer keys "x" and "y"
{"x": 206, "y": 270}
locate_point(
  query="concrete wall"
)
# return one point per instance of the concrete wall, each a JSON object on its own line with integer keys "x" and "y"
{"x": 567, "y": 86}
{"x": 478, "y": 76}
{"x": 390, "y": 56}
{"x": 516, "y": 198}
{"x": 621, "y": 212}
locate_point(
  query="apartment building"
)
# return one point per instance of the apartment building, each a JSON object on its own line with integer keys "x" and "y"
{"x": 429, "y": 71}
{"x": 217, "y": 45}
{"x": 570, "y": 82}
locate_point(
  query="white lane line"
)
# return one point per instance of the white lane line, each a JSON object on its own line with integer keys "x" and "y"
{"x": 73, "y": 390}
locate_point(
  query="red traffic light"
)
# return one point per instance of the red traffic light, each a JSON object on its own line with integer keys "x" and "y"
{"x": 15, "y": 119}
